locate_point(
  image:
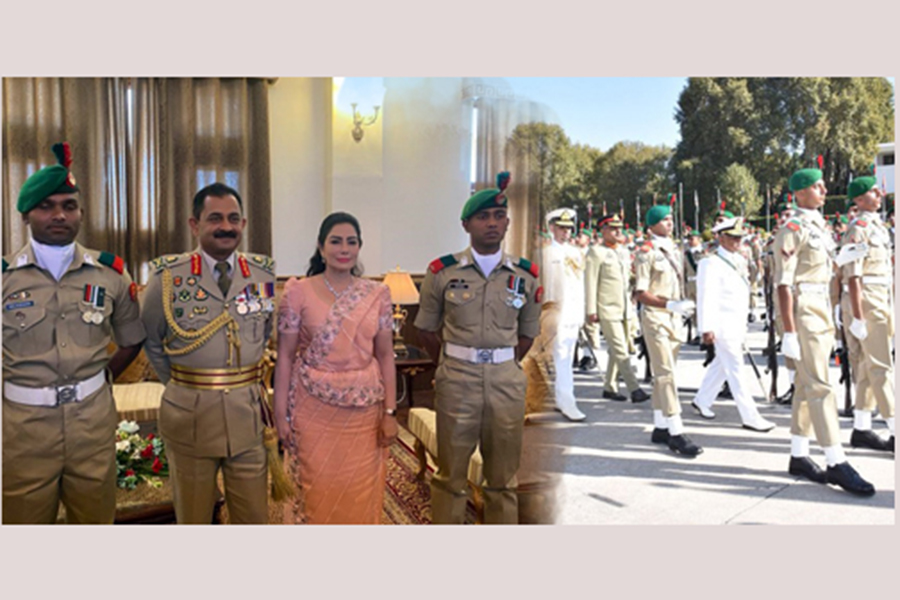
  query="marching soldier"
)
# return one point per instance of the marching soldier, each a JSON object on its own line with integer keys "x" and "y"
{"x": 607, "y": 278}
{"x": 869, "y": 314}
{"x": 803, "y": 268}
{"x": 479, "y": 312}
{"x": 784, "y": 214}
{"x": 62, "y": 305}
{"x": 562, "y": 311}
{"x": 208, "y": 315}
{"x": 658, "y": 289}
{"x": 723, "y": 301}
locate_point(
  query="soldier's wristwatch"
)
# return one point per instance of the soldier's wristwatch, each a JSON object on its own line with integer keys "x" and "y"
{"x": 390, "y": 412}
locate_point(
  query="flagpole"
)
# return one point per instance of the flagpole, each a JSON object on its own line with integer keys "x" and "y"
{"x": 680, "y": 210}
{"x": 637, "y": 212}
{"x": 696, "y": 211}
{"x": 768, "y": 208}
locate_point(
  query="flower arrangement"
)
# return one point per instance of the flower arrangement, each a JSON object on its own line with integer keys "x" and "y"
{"x": 139, "y": 459}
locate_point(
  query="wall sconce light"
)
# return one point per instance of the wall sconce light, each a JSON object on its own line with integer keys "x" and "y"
{"x": 359, "y": 122}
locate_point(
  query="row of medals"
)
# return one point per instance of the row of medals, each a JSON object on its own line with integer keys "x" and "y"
{"x": 91, "y": 316}
{"x": 254, "y": 305}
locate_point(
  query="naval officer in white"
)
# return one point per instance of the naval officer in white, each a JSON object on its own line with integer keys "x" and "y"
{"x": 723, "y": 292}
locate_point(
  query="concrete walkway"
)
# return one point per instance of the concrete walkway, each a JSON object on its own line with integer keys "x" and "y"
{"x": 609, "y": 472}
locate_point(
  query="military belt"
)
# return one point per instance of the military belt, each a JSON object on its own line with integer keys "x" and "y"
{"x": 54, "y": 395}
{"x": 480, "y": 356}
{"x": 812, "y": 288}
{"x": 217, "y": 379}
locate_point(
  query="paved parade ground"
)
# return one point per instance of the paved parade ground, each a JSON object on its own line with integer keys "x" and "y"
{"x": 610, "y": 473}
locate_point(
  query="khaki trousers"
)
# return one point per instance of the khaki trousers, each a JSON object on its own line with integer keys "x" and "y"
{"x": 195, "y": 486}
{"x": 64, "y": 453}
{"x": 876, "y": 360}
{"x": 619, "y": 362}
{"x": 813, "y": 406}
{"x": 478, "y": 405}
{"x": 662, "y": 334}
{"x": 863, "y": 399}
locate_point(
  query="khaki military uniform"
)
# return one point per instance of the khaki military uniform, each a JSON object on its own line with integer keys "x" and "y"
{"x": 210, "y": 416}
{"x": 609, "y": 297}
{"x": 875, "y": 380}
{"x": 51, "y": 337}
{"x": 802, "y": 254}
{"x": 478, "y": 403}
{"x": 659, "y": 273}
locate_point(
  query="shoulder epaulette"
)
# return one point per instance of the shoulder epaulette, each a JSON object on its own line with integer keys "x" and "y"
{"x": 793, "y": 225}
{"x": 439, "y": 263}
{"x": 529, "y": 266}
{"x": 266, "y": 263}
{"x": 861, "y": 222}
{"x": 5, "y": 265}
{"x": 646, "y": 247}
{"x": 165, "y": 261}
{"x": 112, "y": 261}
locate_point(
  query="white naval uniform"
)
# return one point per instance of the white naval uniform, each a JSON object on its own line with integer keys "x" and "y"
{"x": 563, "y": 303}
{"x": 723, "y": 300}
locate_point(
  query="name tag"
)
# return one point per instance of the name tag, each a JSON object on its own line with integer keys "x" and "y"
{"x": 17, "y": 305}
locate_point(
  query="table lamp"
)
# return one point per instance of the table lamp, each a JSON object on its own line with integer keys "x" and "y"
{"x": 403, "y": 291}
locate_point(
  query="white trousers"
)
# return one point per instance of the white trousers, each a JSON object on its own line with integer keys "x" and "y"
{"x": 727, "y": 366}
{"x": 563, "y": 354}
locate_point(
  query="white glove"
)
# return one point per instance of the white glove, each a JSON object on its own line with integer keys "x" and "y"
{"x": 685, "y": 308}
{"x": 851, "y": 252}
{"x": 790, "y": 346}
{"x": 858, "y": 329}
{"x": 837, "y": 315}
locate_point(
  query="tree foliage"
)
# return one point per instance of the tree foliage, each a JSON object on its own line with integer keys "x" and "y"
{"x": 774, "y": 125}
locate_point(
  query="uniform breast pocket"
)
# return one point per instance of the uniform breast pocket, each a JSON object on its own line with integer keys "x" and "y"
{"x": 503, "y": 310}
{"x": 23, "y": 333}
{"x": 253, "y": 326}
{"x": 462, "y": 307}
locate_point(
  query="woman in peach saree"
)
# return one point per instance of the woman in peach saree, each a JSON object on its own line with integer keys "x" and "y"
{"x": 335, "y": 384}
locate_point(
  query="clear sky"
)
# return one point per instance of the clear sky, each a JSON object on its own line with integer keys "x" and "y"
{"x": 601, "y": 111}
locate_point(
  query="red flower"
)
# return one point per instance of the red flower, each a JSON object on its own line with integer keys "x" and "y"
{"x": 147, "y": 452}
{"x": 157, "y": 465}
{"x": 129, "y": 473}
{"x": 150, "y": 437}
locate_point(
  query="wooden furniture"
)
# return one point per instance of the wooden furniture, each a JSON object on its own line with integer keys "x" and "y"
{"x": 415, "y": 362}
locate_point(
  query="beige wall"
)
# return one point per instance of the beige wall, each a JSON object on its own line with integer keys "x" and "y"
{"x": 406, "y": 181}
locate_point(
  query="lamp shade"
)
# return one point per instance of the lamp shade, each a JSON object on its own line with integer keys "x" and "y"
{"x": 403, "y": 290}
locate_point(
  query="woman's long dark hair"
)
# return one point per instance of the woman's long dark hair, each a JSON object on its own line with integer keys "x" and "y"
{"x": 317, "y": 263}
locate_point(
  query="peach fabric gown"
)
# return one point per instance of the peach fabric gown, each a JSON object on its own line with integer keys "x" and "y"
{"x": 335, "y": 403}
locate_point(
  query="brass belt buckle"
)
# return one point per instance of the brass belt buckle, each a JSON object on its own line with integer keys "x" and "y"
{"x": 66, "y": 394}
{"x": 485, "y": 355}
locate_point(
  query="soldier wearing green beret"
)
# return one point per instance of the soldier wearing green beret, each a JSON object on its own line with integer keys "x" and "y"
{"x": 478, "y": 315}
{"x": 62, "y": 305}
{"x": 868, "y": 314}
{"x": 803, "y": 253}
{"x": 659, "y": 289}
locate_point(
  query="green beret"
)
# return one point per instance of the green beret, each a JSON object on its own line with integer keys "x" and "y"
{"x": 804, "y": 178}
{"x": 55, "y": 179}
{"x": 657, "y": 214}
{"x": 488, "y": 198}
{"x": 860, "y": 186}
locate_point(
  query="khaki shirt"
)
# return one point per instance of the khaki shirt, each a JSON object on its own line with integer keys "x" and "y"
{"x": 868, "y": 228}
{"x": 803, "y": 250}
{"x": 658, "y": 272}
{"x": 472, "y": 310}
{"x": 607, "y": 279}
{"x": 47, "y": 339}
{"x": 226, "y": 422}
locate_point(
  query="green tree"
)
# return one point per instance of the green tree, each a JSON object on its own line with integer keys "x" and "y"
{"x": 739, "y": 190}
{"x": 630, "y": 170}
{"x": 543, "y": 147}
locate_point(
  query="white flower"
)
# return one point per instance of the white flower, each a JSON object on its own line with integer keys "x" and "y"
{"x": 129, "y": 427}
{"x": 123, "y": 446}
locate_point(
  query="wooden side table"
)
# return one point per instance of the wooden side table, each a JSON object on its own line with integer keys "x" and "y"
{"x": 415, "y": 361}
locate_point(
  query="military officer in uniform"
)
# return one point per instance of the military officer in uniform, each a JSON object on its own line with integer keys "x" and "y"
{"x": 208, "y": 315}
{"x": 870, "y": 313}
{"x": 479, "y": 312}
{"x": 803, "y": 268}
{"x": 607, "y": 276}
{"x": 722, "y": 303}
{"x": 562, "y": 312}
{"x": 658, "y": 289}
{"x": 62, "y": 305}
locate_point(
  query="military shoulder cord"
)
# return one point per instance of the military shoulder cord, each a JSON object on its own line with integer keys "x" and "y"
{"x": 199, "y": 336}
